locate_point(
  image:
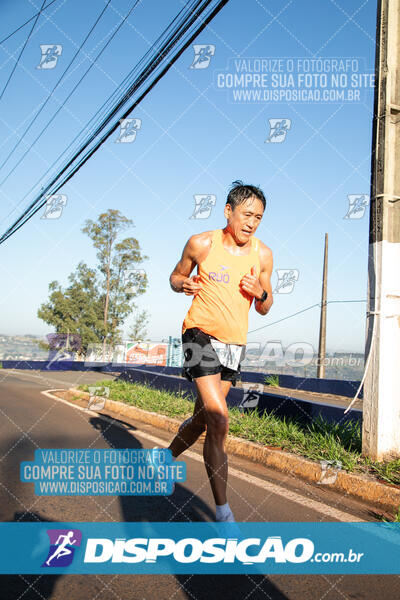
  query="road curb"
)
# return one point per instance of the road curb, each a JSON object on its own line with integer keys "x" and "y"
{"x": 384, "y": 496}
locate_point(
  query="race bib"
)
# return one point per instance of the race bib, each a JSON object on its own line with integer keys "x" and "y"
{"x": 229, "y": 355}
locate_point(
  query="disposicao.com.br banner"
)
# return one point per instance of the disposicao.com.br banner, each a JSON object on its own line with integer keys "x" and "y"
{"x": 196, "y": 548}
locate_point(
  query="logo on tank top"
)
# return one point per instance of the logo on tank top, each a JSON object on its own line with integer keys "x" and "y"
{"x": 219, "y": 275}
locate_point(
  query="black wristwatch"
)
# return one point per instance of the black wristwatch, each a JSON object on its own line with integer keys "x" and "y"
{"x": 263, "y": 297}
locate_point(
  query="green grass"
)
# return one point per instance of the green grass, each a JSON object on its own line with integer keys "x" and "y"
{"x": 396, "y": 518}
{"x": 151, "y": 399}
{"x": 319, "y": 440}
{"x": 388, "y": 471}
{"x": 272, "y": 380}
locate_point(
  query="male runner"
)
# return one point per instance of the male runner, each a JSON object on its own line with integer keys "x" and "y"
{"x": 233, "y": 267}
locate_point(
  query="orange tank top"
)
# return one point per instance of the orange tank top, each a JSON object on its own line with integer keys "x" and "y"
{"x": 221, "y": 308}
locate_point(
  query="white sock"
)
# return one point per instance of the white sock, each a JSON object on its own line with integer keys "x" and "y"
{"x": 223, "y": 512}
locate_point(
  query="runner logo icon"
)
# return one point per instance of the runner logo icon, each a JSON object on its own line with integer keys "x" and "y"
{"x": 62, "y": 547}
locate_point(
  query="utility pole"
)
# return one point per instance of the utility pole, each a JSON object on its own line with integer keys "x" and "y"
{"x": 381, "y": 410}
{"x": 322, "y": 322}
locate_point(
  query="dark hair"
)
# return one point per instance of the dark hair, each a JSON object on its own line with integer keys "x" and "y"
{"x": 240, "y": 192}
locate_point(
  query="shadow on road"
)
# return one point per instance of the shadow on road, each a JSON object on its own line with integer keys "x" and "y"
{"x": 19, "y": 504}
{"x": 184, "y": 506}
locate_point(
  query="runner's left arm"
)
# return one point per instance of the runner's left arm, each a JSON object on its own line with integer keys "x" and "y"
{"x": 266, "y": 264}
{"x": 255, "y": 286}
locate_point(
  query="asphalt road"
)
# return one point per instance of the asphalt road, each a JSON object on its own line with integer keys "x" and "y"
{"x": 32, "y": 420}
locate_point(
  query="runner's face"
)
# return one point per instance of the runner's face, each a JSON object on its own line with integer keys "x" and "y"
{"x": 244, "y": 219}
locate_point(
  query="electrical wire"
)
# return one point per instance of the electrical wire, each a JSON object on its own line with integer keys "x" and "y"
{"x": 178, "y": 34}
{"x": 146, "y": 53}
{"x": 26, "y": 22}
{"x": 103, "y": 108}
{"x": 319, "y": 304}
{"x": 371, "y": 343}
{"x": 22, "y": 50}
{"x": 67, "y": 98}
{"x": 301, "y": 311}
{"x": 52, "y": 92}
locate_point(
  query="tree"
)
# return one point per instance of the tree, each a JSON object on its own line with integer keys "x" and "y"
{"x": 97, "y": 302}
{"x": 114, "y": 260}
{"x": 138, "y": 329}
{"x": 77, "y": 309}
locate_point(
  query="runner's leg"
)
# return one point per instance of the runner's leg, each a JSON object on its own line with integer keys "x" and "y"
{"x": 210, "y": 390}
{"x": 191, "y": 429}
{"x": 225, "y": 386}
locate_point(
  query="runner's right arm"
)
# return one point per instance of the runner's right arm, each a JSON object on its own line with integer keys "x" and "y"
{"x": 180, "y": 279}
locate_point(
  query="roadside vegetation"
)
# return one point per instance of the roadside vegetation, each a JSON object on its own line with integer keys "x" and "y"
{"x": 272, "y": 380}
{"x": 88, "y": 315}
{"x": 339, "y": 444}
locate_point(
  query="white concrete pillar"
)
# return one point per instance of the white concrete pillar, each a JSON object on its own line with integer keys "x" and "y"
{"x": 381, "y": 407}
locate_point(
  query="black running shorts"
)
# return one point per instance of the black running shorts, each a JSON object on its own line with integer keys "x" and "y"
{"x": 201, "y": 359}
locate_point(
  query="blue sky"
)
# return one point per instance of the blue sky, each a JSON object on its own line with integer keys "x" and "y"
{"x": 194, "y": 139}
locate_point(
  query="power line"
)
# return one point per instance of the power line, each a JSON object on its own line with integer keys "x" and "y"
{"x": 194, "y": 14}
{"x": 96, "y": 119}
{"x": 148, "y": 53}
{"x": 23, "y": 48}
{"x": 62, "y": 105}
{"x": 302, "y": 311}
{"x": 49, "y": 96}
{"x": 340, "y": 301}
{"x": 26, "y": 22}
